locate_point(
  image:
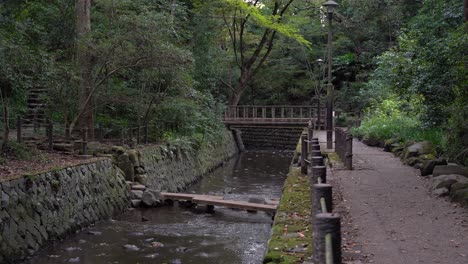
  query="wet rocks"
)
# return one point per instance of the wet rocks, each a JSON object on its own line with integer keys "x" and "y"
{"x": 151, "y": 198}
{"x": 136, "y": 194}
{"x": 94, "y": 233}
{"x": 131, "y": 247}
{"x": 143, "y": 197}
{"x": 74, "y": 260}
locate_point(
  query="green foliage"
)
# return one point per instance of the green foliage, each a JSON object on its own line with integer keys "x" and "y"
{"x": 386, "y": 120}
{"x": 22, "y": 152}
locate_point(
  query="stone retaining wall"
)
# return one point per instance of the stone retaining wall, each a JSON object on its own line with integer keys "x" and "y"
{"x": 37, "y": 208}
{"x": 46, "y": 206}
{"x": 277, "y": 138}
{"x": 173, "y": 169}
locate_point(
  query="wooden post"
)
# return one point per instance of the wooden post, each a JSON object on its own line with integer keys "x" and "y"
{"x": 263, "y": 112}
{"x": 138, "y": 135}
{"x": 318, "y": 171}
{"x": 273, "y": 113}
{"x": 50, "y": 129}
{"x": 322, "y": 190}
{"x": 300, "y": 112}
{"x": 84, "y": 140}
{"x": 145, "y": 138}
{"x": 317, "y": 161}
{"x": 315, "y": 146}
{"x": 100, "y": 134}
{"x": 349, "y": 152}
{"x": 130, "y": 137}
{"x": 304, "y": 155}
{"x": 243, "y": 112}
{"x": 122, "y": 137}
{"x": 18, "y": 129}
{"x": 282, "y": 112}
{"x": 327, "y": 227}
{"x": 310, "y": 130}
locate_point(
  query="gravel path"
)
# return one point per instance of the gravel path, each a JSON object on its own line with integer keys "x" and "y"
{"x": 398, "y": 220}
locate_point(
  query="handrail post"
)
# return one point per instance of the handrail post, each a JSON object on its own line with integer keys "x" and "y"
{"x": 84, "y": 140}
{"x": 18, "y": 129}
{"x": 304, "y": 154}
{"x": 50, "y": 132}
{"x": 349, "y": 152}
{"x": 327, "y": 227}
{"x": 318, "y": 172}
{"x": 322, "y": 190}
{"x": 122, "y": 137}
{"x": 145, "y": 138}
{"x": 138, "y": 134}
{"x": 310, "y": 132}
{"x": 273, "y": 113}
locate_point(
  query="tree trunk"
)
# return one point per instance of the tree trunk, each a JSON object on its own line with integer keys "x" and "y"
{"x": 85, "y": 65}
{"x": 240, "y": 87}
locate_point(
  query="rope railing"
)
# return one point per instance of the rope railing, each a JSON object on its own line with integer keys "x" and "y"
{"x": 326, "y": 224}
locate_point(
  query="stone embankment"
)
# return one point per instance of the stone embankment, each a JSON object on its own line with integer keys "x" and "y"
{"x": 170, "y": 168}
{"x": 447, "y": 179}
{"x": 47, "y": 206}
{"x": 50, "y": 205}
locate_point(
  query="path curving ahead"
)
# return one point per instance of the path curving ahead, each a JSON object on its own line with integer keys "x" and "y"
{"x": 398, "y": 221}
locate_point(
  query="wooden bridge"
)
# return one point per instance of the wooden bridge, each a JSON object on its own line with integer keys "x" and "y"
{"x": 292, "y": 115}
{"x": 211, "y": 201}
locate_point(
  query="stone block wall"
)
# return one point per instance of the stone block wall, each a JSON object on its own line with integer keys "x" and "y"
{"x": 46, "y": 206}
{"x": 173, "y": 169}
{"x": 277, "y": 138}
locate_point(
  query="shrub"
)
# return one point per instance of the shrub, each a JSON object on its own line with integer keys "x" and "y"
{"x": 386, "y": 120}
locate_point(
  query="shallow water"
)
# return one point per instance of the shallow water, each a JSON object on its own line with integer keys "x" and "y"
{"x": 179, "y": 235}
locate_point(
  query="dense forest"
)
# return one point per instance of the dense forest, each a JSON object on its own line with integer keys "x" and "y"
{"x": 398, "y": 65}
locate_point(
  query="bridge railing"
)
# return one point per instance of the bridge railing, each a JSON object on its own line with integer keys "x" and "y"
{"x": 274, "y": 113}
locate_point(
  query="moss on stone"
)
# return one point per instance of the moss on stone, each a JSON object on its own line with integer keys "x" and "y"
{"x": 292, "y": 227}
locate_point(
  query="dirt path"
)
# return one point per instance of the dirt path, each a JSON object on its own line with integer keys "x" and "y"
{"x": 397, "y": 220}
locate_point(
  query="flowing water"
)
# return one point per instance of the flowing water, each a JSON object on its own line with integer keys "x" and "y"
{"x": 179, "y": 235}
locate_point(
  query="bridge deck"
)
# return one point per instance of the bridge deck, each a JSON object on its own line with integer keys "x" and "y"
{"x": 219, "y": 201}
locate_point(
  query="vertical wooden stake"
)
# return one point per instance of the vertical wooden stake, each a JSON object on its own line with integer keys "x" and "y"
{"x": 146, "y": 135}
{"x": 138, "y": 135}
{"x": 18, "y": 129}
{"x": 304, "y": 154}
{"x": 50, "y": 128}
{"x": 122, "y": 137}
{"x": 84, "y": 140}
{"x": 327, "y": 225}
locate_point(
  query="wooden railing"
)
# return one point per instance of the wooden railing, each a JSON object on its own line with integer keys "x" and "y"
{"x": 274, "y": 114}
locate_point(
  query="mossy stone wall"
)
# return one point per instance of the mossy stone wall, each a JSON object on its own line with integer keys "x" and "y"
{"x": 50, "y": 205}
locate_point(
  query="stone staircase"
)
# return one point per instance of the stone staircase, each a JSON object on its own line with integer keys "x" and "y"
{"x": 274, "y": 137}
{"x": 36, "y": 107}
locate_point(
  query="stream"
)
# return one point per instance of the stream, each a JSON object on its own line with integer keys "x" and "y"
{"x": 175, "y": 235}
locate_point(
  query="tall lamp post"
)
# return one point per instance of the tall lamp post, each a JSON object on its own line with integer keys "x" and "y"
{"x": 319, "y": 109}
{"x": 330, "y": 7}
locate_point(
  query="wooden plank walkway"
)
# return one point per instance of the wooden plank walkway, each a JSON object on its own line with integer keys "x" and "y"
{"x": 212, "y": 200}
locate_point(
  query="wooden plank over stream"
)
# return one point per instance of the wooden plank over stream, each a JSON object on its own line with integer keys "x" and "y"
{"x": 219, "y": 201}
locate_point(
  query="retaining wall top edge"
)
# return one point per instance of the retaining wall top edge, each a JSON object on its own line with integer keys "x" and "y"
{"x": 58, "y": 168}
